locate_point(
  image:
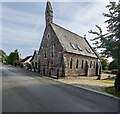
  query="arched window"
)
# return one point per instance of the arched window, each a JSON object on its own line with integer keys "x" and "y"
{"x": 48, "y": 36}
{"x": 52, "y": 50}
{"x": 90, "y": 64}
{"x": 35, "y": 65}
{"x": 86, "y": 64}
{"x": 32, "y": 63}
{"x": 94, "y": 64}
{"x": 77, "y": 64}
{"x": 45, "y": 52}
{"x": 71, "y": 63}
{"x": 82, "y": 64}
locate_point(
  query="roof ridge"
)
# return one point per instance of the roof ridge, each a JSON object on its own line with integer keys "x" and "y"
{"x": 67, "y": 30}
{"x": 61, "y": 33}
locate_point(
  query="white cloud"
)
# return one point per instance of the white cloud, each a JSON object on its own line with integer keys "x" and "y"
{"x": 81, "y": 17}
{"x": 20, "y": 17}
{"x": 27, "y": 28}
{"x": 16, "y": 26}
{"x": 58, "y": 0}
{"x": 0, "y": 25}
{"x": 21, "y": 30}
{"x": 20, "y": 36}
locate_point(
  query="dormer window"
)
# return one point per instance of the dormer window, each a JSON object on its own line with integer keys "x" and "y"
{"x": 73, "y": 46}
{"x": 76, "y": 47}
{"x": 79, "y": 48}
{"x": 88, "y": 50}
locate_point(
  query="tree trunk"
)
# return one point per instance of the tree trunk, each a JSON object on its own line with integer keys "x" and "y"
{"x": 117, "y": 81}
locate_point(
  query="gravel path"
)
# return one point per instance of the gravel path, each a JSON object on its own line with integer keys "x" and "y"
{"x": 89, "y": 82}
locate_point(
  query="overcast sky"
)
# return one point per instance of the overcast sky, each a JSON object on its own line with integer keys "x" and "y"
{"x": 23, "y": 23}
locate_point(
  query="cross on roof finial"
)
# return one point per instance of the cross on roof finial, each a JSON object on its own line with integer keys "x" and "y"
{"x": 84, "y": 35}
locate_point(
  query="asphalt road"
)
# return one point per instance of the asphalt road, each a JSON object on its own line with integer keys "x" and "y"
{"x": 24, "y": 92}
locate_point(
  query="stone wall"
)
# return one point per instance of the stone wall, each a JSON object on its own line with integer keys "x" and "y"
{"x": 59, "y": 64}
{"x": 50, "y": 65}
{"x": 79, "y": 71}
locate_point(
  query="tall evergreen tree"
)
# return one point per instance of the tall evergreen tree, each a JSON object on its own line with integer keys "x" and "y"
{"x": 110, "y": 42}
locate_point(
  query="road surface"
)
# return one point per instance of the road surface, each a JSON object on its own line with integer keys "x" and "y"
{"x": 25, "y": 92}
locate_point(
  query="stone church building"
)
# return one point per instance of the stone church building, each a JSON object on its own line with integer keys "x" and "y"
{"x": 64, "y": 53}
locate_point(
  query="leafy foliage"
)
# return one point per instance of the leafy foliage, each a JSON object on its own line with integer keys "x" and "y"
{"x": 3, "y": 58}
{"x": 112, "y": 38}
{"x": 110, "y": 42}
{"x": 104, "y": 63}
{"x": 113, "y": 65}
{"x": 14, "y": 56}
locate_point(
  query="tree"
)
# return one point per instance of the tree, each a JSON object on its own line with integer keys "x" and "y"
{"x": 13, "y": 57}
{"x": 104, "y": 63}
{"x": 16, "y": 51}
{"x": 110, "y": 42}
{"x": 113, "y": 65}
{"x": 3, "y": 57}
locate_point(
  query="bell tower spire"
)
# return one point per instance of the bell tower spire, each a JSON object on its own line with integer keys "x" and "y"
{"x": 48, "y": 13}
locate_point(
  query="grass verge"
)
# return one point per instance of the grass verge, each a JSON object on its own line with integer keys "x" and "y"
{"x": 108, "y": 81}
{"x": 111, "y": 90}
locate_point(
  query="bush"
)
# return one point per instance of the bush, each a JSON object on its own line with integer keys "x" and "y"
{"x": 113, "y": 91}
{"x": 114, "y": 71}
{"x": 107, "y": 71}
{"x": 12, "y": 58}
{"x": 112, "y": 65}
{"x": 104, "y": 63}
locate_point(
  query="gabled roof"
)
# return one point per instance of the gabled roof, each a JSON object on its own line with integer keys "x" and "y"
{"x": 35, "y": 52}
{"x": 26, "y": 58}
{"x": 72, "y": 42}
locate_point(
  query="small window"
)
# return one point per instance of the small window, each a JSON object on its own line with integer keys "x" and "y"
{"x": 71, "y": 63}
{"x": 52, "y": 50}
{"x": 45, "y": 52}
{"x": 73, "y": 46}
{"x": 82, "y": 63}
{"x": 36, "y": 65}
{"x": 77, "y": 64}
{"x": 45, "y": 55}
{"x": 88, "y": 50}
{"x": 32, "y": 63}
{"x": 94, "y": 64}
{"x": 90, "y": 64}
{"x": 48, "y": 36}
{"x": 79, "y": 48}
{"x": 86, "y": 64}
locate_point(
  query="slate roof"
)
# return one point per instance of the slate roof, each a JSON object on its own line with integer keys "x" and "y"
{"x": 35, "y": 52}
{"x": 25, "y": 59}
{"x": 68, "y": 38}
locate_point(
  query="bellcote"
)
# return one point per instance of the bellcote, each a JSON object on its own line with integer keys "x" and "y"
{"x": 48, "y": 13}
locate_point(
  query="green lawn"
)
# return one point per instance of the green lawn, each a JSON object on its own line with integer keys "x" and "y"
{"x": 111, "y": 90}
{"x": 110, "y": 81}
